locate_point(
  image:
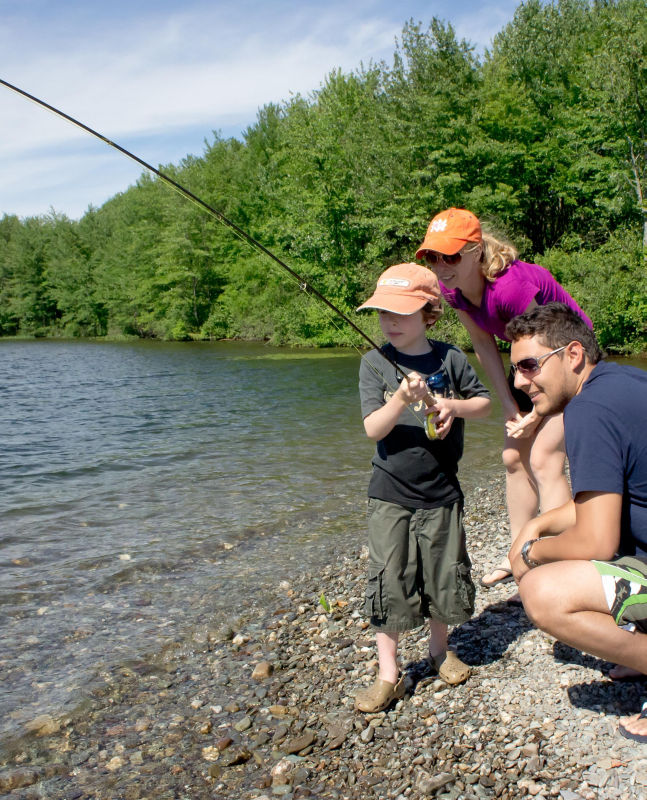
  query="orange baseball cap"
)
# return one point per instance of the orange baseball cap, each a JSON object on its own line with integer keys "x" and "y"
{"x": 404, "y": 289}
{"x": 449, "y": 231}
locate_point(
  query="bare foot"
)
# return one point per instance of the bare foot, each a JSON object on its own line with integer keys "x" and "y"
{"x": 498, "y": 576}
{"x": 635, "y": 726}
{"x": 622, "y": 673}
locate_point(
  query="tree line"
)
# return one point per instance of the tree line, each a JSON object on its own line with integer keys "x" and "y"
{"x": 544, "y": 137}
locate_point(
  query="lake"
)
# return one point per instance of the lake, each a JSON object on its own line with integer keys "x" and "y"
{"x": 151, "y": 488}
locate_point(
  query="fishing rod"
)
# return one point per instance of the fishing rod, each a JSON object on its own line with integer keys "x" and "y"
{"x": 303, "y": 284}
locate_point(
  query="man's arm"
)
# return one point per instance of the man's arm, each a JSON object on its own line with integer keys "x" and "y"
{"x": 592, "y": 531}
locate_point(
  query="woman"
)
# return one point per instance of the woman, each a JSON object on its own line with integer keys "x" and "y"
{"x": 481, "y": 277}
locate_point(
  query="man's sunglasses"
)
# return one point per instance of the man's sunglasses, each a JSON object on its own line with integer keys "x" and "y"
{"x": 532, "y": 365}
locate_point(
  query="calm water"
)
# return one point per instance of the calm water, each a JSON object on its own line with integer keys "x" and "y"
{"x": 148, "y": 489}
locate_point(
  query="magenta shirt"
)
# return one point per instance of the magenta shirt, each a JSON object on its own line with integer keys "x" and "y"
{"x": 510, "y": 294}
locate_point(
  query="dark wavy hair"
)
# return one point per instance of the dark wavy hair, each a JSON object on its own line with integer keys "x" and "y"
{"x": 556, "y": 324}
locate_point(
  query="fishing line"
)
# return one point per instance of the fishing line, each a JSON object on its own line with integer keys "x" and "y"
{"x": 303, "y": 284}
{"x": 166, "y": 179}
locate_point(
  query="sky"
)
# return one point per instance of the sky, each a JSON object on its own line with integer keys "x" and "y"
{"x": 160, "y": 77}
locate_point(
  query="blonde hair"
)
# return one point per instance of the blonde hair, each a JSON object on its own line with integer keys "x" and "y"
{"x": 497, "y": 255}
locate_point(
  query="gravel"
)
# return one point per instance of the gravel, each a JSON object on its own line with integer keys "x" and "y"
{"x": 262, "y": 706}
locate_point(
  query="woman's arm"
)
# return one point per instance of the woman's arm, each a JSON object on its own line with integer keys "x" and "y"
{"x": 490, "y": 359}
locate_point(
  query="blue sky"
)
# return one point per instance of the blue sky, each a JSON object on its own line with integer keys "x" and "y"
{"x": 159, "y": 77}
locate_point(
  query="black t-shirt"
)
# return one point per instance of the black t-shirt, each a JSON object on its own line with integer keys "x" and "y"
{"x": 408, "y": 468}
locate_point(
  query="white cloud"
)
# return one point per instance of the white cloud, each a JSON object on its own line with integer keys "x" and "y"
{"x": 154, "y": 74}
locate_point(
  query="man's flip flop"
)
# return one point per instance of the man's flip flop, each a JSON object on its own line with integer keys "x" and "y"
{"x": 636, "y": 737}
{"x": 499, "y": 581}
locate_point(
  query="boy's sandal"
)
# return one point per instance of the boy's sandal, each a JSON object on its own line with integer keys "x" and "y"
{"x": 450, "y": 668}
{"x": 380, "y": 695}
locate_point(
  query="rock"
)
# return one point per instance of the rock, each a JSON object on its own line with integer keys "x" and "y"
{"x": 43, "y": 725}
{"x": 367, "y": 734}
{"x": 426, "y": 783}
{"x": 262, "y": 670}
{"x": 282, "y": 772}
{"x": 243, "y": 724}
{"x": 299, "y": 743}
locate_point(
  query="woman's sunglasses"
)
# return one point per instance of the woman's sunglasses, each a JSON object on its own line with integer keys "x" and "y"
{"x": 431, "y": 258}
{"x": 532, "y": 365}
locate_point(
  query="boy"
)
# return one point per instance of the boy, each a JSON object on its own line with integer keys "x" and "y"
{"x": 418, "y": 562}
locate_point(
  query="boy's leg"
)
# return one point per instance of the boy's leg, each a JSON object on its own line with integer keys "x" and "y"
{"x": 450, "y": 668}
{"x": 446, "y": 584}
{"x": 387, "y": 653}
{"x": 437, "y": 638}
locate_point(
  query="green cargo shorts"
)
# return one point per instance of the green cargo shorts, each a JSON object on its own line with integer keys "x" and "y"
{"x": 418, "y": 566}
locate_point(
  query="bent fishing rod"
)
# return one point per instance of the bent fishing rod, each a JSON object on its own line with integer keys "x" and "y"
{"x": 303, "y": 284}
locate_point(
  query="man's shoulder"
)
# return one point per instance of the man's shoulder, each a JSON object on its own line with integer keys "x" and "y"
{"x": 609, "y": 380}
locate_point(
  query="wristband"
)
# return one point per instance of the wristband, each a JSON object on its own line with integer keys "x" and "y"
{"x": 525, "y": 554}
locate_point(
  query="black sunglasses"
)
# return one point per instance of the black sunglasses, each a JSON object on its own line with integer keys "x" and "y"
{"x": 532, "y": 365}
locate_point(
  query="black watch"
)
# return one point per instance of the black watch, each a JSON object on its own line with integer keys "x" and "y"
{"x": 525, "y": 551}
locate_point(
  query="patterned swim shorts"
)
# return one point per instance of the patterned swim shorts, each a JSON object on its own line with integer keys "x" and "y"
{"x": 625, "y": 586}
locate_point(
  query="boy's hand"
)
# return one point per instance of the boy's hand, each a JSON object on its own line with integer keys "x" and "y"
{"x": 443, "y": 411}
{"x": 412, "y": 389}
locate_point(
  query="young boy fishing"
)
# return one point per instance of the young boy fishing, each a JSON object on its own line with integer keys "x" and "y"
{"x": 418, "y": 562}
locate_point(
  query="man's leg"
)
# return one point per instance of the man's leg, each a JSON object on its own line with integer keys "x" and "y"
{"x": 566, "y": 599}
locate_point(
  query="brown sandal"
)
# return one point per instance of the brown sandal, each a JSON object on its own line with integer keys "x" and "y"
{"x": 380, "y": 695}
{"x": 450, "y": 668}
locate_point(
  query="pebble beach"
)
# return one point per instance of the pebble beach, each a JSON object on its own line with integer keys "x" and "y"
{"x": 260, "y": 705}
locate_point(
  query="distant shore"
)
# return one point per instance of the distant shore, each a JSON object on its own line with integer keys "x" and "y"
{"x": 262, "y": 707}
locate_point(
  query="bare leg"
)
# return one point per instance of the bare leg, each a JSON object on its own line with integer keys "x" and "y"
{"x": 547, "y": 460}
{"x": 566, "y": 599}
{"x": 450, "y": 668}
{"x": 622, "y": 673}
{"x": 521, "y": 496}
{"x": 387, "y": 653}
{"x": 437, "y": 638}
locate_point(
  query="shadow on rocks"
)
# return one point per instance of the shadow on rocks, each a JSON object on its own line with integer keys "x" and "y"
{"x": 481, "y": 640}
{"x": 619, "y": 699}
{"x": 485, "y": 638}
{"x": 566, "y": 654}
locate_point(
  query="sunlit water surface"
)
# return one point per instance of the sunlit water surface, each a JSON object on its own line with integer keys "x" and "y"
{"x": 148, "y": 487}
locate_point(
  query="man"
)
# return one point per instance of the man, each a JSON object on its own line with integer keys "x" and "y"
{"x": 572, "y": 583}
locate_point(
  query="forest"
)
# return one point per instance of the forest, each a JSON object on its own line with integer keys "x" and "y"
{"x": 543, "y": 136}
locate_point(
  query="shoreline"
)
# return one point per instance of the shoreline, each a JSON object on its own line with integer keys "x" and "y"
{"x": 263, "y": 707}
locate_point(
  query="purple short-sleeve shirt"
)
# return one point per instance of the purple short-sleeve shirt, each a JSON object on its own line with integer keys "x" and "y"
{"x": 510, "y": 294}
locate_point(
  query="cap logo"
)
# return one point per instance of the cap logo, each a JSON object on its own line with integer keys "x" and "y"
{"x": 438, "y": 225}
{"x": 394, "y": 282}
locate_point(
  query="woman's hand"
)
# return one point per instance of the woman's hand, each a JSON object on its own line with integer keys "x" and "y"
{"x": 523, "y": 427}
